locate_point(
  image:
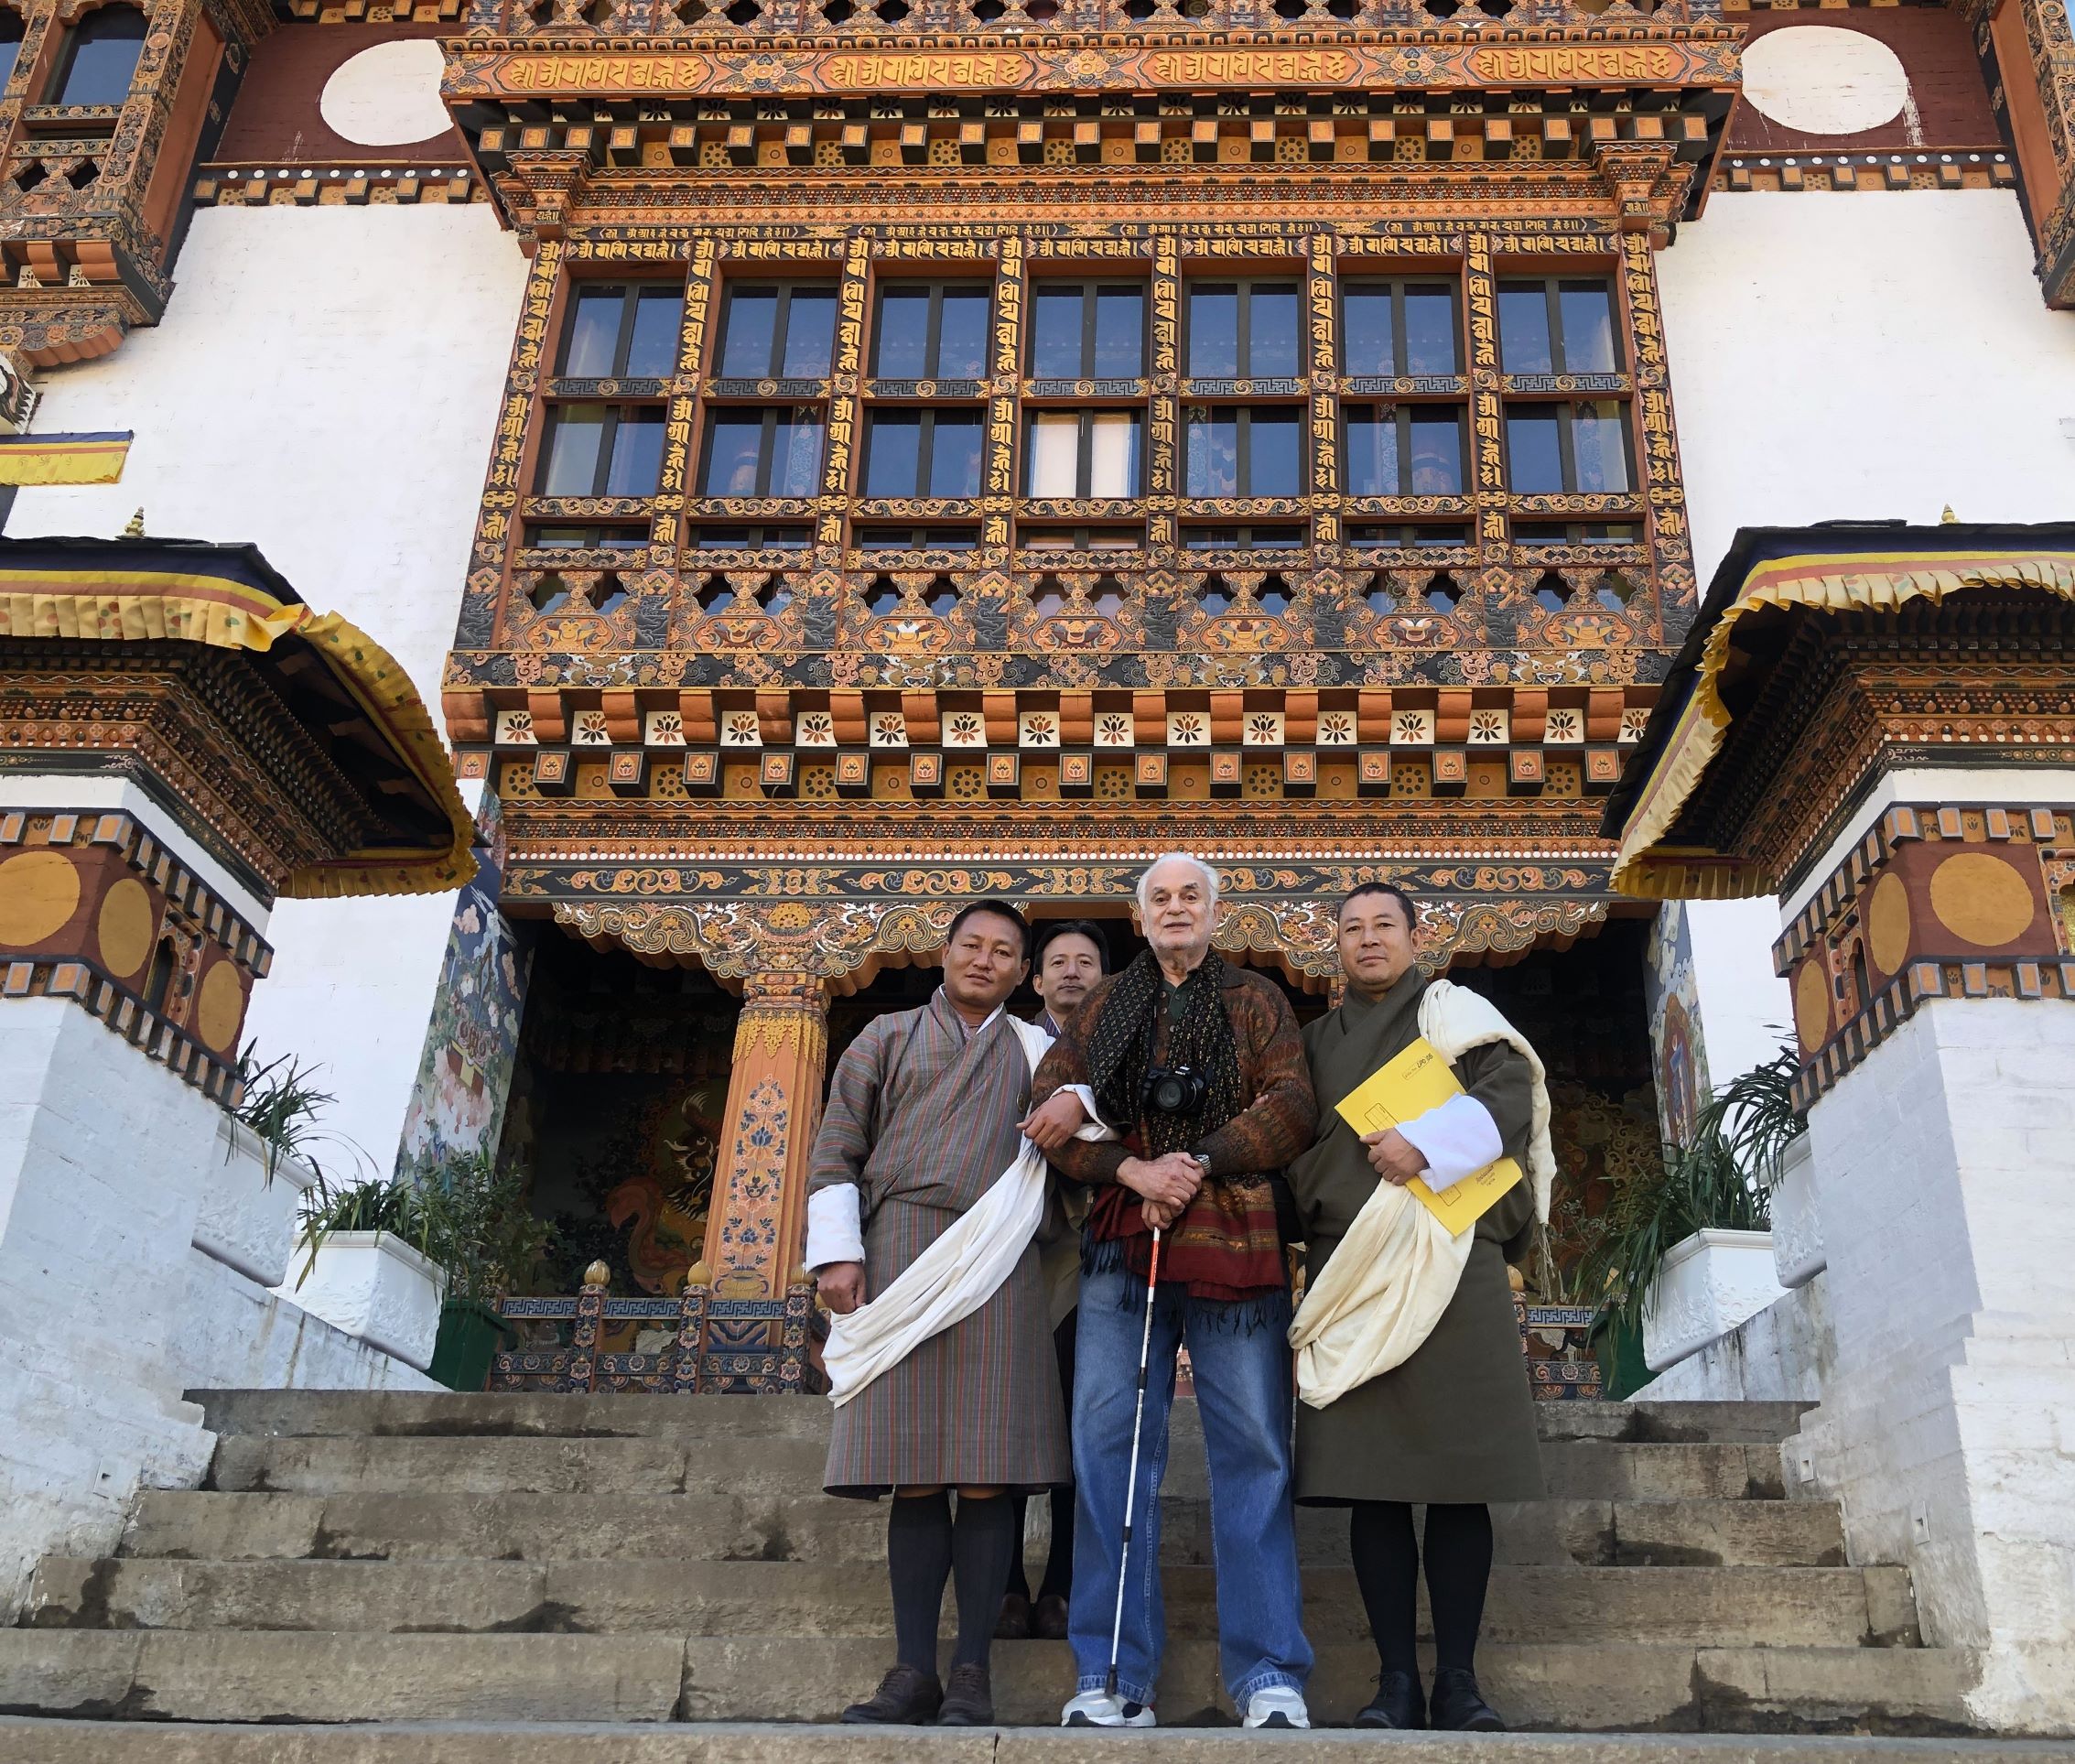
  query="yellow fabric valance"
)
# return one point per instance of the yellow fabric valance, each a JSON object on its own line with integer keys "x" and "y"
{"x": 1831, "y": 582}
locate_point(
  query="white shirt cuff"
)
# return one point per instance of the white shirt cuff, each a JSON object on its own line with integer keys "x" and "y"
{"x": 1457, "y": 1138}
{"x": 835, "y": 1231}
{"x": 1091, "y": 1130}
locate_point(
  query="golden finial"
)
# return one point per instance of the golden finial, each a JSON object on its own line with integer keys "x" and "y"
{"x": 597, "y": 1274}
{"x": 1948, "y": 518}
{"x": 699, "y": 1275}
{"x": 135, "y": 528}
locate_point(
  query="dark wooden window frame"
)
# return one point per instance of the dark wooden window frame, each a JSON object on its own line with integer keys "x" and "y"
{"x": 1246, "y": 286}
{"x": 1396, "y": 284}
{"x": 1089, "y": 291}
{"x": 780, "y": 322}
{"x": 767, "y": 452}
{"x": 934, "y": 337}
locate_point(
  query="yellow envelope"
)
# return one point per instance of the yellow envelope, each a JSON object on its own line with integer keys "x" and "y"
{"x": 1405, "y": 1087}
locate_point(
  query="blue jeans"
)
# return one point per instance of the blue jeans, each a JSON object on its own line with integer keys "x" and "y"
{"x": 1243, "y": 1387}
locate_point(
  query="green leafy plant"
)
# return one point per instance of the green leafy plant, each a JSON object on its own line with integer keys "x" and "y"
{"x": 491, "y": 1243}
{"x": 281, "y": 1108}
{"x": 1719, "y": 1180}
{"x": 393, "y": 1204}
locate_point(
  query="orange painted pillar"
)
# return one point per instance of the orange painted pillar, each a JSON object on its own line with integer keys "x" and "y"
{"x": 758, "y": 1227}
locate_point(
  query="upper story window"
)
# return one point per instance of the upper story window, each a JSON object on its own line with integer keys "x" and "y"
{"x": 10, "y": 42}
{"x": 781, "y": 332}
{"x": 622, "y": 331}
{"x": 1404, "y": 450}
{"x": 602, "y": 451}
{"x": 761, "y": 451}
{"x": 1244, "y": 330}
{"x": 1396, "y": 329}
{"x": 100, "y": 57}
{"x": 934, "y": 453}
{"x": 1567, "y": 448}
{"x": 1557, "y": 325}
{"x": 932, "y": 330}
{"x": 1245, "y": 450}
{"x": 1084, "y": 454}
{"x": 1087, "y": 330}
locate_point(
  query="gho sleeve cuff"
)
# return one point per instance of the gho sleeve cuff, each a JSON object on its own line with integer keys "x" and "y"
{"x": 1457, "y": 1138}
{"x": 835, "y": 1229}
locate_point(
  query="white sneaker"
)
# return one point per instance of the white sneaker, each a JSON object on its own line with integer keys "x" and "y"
{"x": 1278, "y": 1706}
{"x": 1105, "y": 1709}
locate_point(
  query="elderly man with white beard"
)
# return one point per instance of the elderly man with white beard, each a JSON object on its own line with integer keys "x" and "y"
{"x": 1200, "y": 1066}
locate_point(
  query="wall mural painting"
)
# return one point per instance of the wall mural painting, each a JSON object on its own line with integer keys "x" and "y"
{"x": 457, "y": 1107}
{"x": 1679, "y": 1058}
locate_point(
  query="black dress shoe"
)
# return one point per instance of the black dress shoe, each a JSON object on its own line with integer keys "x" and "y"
{"x": 906, "y": 1696}
{"x": 1048, "y": 1618}
{"x": 1398, "y": 1702}
{"x": 1459, "y": 1707}
{"x": 1014, "y": 1623}
{"x": 968, "y": 1700}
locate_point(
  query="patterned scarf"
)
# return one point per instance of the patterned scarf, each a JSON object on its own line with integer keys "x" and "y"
{"x": 1225, "y": 1246}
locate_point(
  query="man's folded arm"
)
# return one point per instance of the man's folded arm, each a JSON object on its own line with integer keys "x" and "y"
{"x": 834, "y": 1225}
{"x": 1095, "y": 1151}
{"x": 1457, "y": 1138}
{"x": 836, "y": 1166}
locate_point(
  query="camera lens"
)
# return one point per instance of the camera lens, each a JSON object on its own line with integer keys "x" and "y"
{"x": 1167, "y": 1094}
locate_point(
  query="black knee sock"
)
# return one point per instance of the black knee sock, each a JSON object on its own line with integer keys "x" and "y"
{"x": 1019, "y": 1576}
{"x": 1458, "y": 1557}
{"x": 918, "y": 1557}
{"x": 1059, "y": 1565}
{"x": 982, "y": 1542}
{"x": 1387, "y": 1569}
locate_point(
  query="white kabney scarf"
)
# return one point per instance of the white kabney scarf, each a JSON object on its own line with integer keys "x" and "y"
{"x": 954, "y": 1276}
{"x": 1396, "y": 1270}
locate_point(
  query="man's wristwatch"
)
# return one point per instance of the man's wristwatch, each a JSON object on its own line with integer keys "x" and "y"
{"x": 1202, "y": 1163}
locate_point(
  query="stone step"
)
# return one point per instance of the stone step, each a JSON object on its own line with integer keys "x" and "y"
{"x": 286, "y": 1677}
{"x": 1718, "y": 1606}
{"x": 785, "y": 1465}
{"x": 728, "y": 1527}
{"x": 104, "y": 1742}
{"x": 417, "y": 1414}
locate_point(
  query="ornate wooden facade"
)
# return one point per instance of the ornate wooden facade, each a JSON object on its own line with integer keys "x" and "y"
{"x": 750, "y": 703}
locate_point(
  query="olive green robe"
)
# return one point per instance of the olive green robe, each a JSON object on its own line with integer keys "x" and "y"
{"x": 1455, "y": 1422}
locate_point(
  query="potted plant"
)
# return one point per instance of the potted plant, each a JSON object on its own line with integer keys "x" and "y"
{"x": 253, "y": 1193}
{"x": 490, "y": 1244}
{"x": 375, "y": 1264}
{"x": 1687, "y": 1254}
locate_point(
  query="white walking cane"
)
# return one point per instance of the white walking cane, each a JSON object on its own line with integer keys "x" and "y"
{"x": 1131, "y": 1485}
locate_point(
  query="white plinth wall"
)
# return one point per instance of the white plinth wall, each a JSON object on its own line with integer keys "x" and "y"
{"x": 1945, "y": 1180}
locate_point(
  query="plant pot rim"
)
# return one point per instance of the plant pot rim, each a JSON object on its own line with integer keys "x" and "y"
{"x": 288, "y": 1168}
{"x": 1714, "y": 1238}
{"x": 389, "y": 1244}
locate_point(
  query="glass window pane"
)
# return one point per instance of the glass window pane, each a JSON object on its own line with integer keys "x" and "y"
{"x": 903, "y": 342}
{"x": 104, "y": 57}
{"x": 1273, "y": 338}
{"x": 651, "y": 350}
{"x": 745, "y": 351}
{"x": 955, "y": 455}
{"x": 1113, "y": 469}
{"x": 1120, "y": 333}
{"x": 1534, "y": 464}
{"x": 1213, "y": 336}
{"x": 1597, "y": 443}
{"x": 893, "y": 453}
{"x": 1213, "y": 453}
{"x": 637, "y": 454}
{"x": 795, "y": 463}
{"x": 1430, "y": 345}
{"x": 734, "y": 445}
{"x": 10, "y": 45}
{"x": 1587, "y": 312}
{"x": 1523, "y": 329}
{"x": 1372, "y": 450}
{"x": 1365, "y": 321}
{"x": 1437, "y": 453}
{"x": 573, "y": 436}
{"x": 1056, "y": 334}
{"x": 594, "y": 333}
{"x": 810, "y": 325}
{"x": 1054, "y": 451}
{"x": 1276, "y": 465}
{"x": 961, "y": 348}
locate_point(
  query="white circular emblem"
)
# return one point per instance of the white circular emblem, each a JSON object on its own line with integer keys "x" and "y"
{"x": 387, "y": 95}
{"x": 1825, "y": 79}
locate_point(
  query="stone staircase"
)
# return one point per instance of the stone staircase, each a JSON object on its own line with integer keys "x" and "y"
{"x": 488, "y": 1563}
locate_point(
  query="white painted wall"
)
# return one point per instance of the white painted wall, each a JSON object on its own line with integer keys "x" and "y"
{"x": 1853, "y": 357}
{"x": 325, "y": 385}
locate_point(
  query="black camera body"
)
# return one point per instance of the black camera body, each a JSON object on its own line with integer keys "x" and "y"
{"x": 1175, "y": 1090}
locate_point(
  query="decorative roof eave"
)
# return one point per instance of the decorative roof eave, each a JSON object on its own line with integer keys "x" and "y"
{"x": 229, "y": 597}
{"x": 1851, "y": 566}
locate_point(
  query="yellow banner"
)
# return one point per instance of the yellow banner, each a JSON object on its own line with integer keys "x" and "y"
{"x": 63, "y": 458}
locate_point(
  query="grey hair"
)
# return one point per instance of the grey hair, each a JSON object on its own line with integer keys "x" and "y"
{"x": 1195, "y": 863}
